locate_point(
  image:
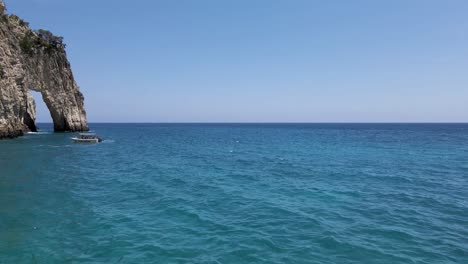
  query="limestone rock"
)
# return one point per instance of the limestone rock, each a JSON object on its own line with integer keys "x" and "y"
{"x": 35, "y": 60}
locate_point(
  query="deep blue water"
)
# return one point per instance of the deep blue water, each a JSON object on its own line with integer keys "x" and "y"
{"x": 237, "y": 193}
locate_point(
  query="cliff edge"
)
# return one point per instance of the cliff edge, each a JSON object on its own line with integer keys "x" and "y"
{"x": 35, "y": 60}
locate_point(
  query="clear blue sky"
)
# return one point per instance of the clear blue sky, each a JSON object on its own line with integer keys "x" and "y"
{"x": 263, "y": 60}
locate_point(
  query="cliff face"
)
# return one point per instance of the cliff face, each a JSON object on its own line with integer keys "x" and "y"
{"x": 35, "y": 60}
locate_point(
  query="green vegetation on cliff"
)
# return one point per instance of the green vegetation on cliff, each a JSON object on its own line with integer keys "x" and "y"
{"x": 36, "y": 39}
{"x": 41, "y": 39}
{"x": 19, "y": 20}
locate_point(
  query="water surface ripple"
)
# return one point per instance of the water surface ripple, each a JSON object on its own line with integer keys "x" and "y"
{"x": 238, "y": 193}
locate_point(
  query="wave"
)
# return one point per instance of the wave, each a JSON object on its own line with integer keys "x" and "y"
{"x": 39, "y": 133}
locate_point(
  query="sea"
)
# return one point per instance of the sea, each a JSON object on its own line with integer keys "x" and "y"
{"x": 237, "y": 193}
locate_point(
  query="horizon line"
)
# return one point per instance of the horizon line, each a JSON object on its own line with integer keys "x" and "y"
{"x": 278, "y": 122}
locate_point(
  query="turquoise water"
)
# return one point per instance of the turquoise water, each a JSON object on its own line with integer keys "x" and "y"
{"x": 233, "y": 193}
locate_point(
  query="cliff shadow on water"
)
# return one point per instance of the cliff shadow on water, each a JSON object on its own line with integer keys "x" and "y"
{"x": 35, "y": 60}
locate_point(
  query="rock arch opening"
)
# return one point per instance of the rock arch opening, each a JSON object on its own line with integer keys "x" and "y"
{"x": 41, "y": 111}
{"x": 43, "y": 106}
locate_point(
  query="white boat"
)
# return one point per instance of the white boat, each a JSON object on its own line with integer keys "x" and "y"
{"x": 87, "y": 138}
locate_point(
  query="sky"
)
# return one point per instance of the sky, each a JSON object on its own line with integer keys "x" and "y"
{"x": 262, "y": 60}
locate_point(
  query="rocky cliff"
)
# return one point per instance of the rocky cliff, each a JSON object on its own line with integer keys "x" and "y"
{"x": 35, "y": 60}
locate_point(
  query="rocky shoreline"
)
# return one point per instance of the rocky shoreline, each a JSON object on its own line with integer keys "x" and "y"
{"x": 35, "y": 60}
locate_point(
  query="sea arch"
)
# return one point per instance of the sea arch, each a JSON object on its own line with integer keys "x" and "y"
{"x": 49, "y": 73}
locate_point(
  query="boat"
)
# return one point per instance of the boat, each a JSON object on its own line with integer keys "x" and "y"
{"x": 87, "y": 138}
